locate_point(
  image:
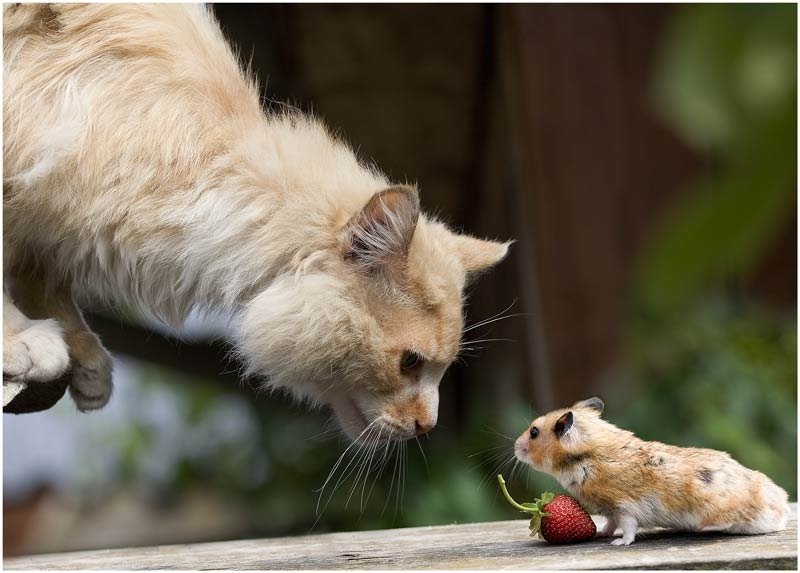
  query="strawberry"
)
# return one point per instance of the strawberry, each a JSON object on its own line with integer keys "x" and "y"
{"x": 558, "y": 519}
{"x": 565, "y": 521}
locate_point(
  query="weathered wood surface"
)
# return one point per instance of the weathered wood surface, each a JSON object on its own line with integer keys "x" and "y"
{"x": 496, "y": 545}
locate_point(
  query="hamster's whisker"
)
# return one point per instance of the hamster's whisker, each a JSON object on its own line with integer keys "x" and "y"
{"x": 487, "y": 450}
{"x": 514, "y": 469}
{"x": 498, "y": 467}
{"x": 494, "y": 458}
{"x": 497, "y": 433}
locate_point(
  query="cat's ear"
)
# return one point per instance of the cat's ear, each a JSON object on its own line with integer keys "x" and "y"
{"x": 380, "y": 234}
{"x": 478, "y": 254}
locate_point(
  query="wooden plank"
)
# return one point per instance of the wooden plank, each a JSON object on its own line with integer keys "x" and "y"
{"x": 496, "y": 545}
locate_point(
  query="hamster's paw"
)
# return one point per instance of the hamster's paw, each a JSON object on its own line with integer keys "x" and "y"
{"x": 608, "y": 529}
{"x": 38, "y": 354}
{"x": 629, "y": 528}
{"x": 92, "y": 371}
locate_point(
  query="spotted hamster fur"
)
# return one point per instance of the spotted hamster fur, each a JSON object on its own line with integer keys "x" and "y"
{"x": 634, "y": 483}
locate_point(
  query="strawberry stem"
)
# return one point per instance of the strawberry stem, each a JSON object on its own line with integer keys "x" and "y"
{"x": 510, "y": 499}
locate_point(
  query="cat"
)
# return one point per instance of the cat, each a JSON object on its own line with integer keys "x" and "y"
{"x": 141, "y": 169}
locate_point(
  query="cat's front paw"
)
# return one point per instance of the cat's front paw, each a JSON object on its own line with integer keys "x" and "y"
{"x": 92, "y": 369}
{"x": 37, "y": 354}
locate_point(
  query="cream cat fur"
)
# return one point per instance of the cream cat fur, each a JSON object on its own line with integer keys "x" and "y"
{"x": 141, "y": 169}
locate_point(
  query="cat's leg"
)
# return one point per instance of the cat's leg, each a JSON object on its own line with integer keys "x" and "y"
{"x": 33, "y": 350}
{"x": 91, "y": 382}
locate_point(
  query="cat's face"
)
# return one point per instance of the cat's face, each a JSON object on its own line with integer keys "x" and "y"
{"x": 372, "y": 334}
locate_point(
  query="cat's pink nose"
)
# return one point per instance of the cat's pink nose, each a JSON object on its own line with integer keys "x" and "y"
{"x": 423, "y": 426}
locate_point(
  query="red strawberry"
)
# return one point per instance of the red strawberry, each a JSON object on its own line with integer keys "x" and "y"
{"x": 563, "y": 520}
{"x": 556, "y": 518}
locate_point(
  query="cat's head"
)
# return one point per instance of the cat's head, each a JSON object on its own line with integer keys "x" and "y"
{"x": 372, "y": 329}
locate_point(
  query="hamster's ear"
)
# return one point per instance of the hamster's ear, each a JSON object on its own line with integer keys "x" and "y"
{"x": 380, "y": 234}
{"x": 595, "y": 404}
{"x": 563, "y": 424}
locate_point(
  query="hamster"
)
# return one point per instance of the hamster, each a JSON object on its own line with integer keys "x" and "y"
{"x": 635, "y": 483}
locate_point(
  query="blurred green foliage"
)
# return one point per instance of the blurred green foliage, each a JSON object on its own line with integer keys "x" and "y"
{"x": 727, "y": 83}
{"x": 707, "y": 365}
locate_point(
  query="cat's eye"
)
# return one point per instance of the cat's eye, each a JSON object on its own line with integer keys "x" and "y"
{"x": 410, "y": 361}
{"x": 534, "y": 432}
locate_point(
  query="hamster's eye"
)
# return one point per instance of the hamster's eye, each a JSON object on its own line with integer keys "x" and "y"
{"x": 410, "y": 361}
{"x": 534, "y": 432}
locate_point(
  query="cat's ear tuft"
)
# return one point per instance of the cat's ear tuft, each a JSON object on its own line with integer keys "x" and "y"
{"x": 381, "y": 232}
{"x": 478, "y": 255}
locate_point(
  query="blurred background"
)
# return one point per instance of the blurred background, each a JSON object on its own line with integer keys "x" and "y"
{"x": 643, "y": 157}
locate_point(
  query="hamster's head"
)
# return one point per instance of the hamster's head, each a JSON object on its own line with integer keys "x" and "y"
{"x": 553, "y": 436}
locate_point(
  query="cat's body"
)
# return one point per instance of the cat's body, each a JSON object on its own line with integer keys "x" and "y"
{"x": 141, "y": 169}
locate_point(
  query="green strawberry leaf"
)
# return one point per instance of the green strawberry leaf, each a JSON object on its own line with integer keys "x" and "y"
{"x": 535, "y": 525}
{"x": 536, "y": 508}
{"x": 525, "y": 508}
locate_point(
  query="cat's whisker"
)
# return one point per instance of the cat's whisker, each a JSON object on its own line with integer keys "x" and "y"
{"x": 332, "y": 473}
{"x": 480, "y": 340}
{"x": 493, "y": 318}
{"x": 424, "y": 458}
{"x": 395, "y": 450}
{"x": 359, "y": 466}
{"x": 389, "y": 444}
{"x": 375, "y": 450}
{"x": 330, "y": 428}
{"x": 338, "y": 463}
{"x": 367, "y": 463}
{"x": 402, "y": 481}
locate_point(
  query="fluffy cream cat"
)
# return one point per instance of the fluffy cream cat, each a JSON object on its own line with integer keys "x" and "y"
{"x": 141, "y": 169}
